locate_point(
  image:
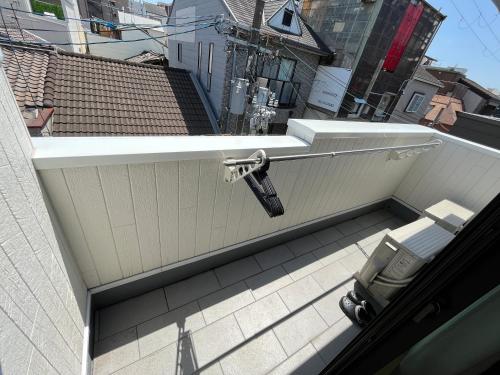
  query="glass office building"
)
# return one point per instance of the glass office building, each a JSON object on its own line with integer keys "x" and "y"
{"x": 361, "y": 32}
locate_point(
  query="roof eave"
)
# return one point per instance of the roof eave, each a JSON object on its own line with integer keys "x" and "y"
{"x": 440, "y": 85}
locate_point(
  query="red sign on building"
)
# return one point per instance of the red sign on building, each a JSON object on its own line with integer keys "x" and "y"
{"x": 403, "y": 35}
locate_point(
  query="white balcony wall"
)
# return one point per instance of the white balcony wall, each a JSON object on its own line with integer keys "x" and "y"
{"x": 463, "y": 171}
{"x": 42, "y": 296}
{"x": 164, "y": 200}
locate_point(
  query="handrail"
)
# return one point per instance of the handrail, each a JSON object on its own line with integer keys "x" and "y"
{"x": 424, "y": 146}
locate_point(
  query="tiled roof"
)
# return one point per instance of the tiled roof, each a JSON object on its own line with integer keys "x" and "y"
{"x": 147, "y": 57}
{"x": 444, "y": 110}
{"x": 98, "y": 96}
{"x": 422, "y": 74}
{"x": 243, "y": 11}
{"x": 13, "y": 33}
{"x": 28, "y": 82}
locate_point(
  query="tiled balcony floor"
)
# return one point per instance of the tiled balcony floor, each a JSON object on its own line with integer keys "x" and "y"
{"x": 275, "y": 312}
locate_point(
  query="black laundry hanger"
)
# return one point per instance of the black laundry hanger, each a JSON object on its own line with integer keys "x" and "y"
{"x": 261, "y": 185}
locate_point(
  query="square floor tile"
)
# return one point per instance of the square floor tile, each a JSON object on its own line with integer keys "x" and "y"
{"x": 268, "y": 282}
{"x": 354, "y": 262}
{"x": 332, "y": 276}
{"x": 258, "y": 356}
{"x": 159, "y": 363}
{"x": 304, "y": 362}
{"x": 302, "y": 266}
{"x": 225, "y": 301}
{"x": 131, "y": 312}
{"x": 334, "y": 340}
{"x": 330, "y": 253}
{"x": 273, "y": 256}
{"x": 328, "y": 306}
{"x": 299, "y": 329}
{"x": 236, "y": 271}
{"x": 177, "y": 358}
{"x": 261, "y": 314}
{"x": 348, "y": 227}
{"x": 303, "y": 245}
{"x": 328, "y": 235}
{"x": 216, "y": 339}
{"x": 167, "y": 328}
{"x": 349, "y": 240}
{"x": 300, "y": 293}
{"x": 370, "y": 219}
{"x": 188, "y": 290}
{"x": 116, "y": 352}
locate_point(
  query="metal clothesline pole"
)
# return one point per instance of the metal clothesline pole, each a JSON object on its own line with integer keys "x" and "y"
{"x": 233, "y": 162}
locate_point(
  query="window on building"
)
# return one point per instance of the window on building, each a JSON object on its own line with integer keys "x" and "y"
{"x": 281, "y": 69}
{"x": 277, "y": 75}
{"x": 287, "y": 17}
{"x": 200, "y": 52}
{"x": 415, "y": 102}
{"x": 210, "y": 65}
{"x": 380, "y": 113}
{"x": 179, "y": 52}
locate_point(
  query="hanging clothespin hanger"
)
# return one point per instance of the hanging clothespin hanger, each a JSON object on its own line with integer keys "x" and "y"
{"x": 257, "y": 179}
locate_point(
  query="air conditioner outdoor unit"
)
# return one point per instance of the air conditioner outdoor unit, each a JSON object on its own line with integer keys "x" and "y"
{"x": 449, "y": 215}
{"x": 399, "y": 257}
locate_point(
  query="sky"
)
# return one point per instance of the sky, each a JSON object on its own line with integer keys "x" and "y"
{"x": 456, "y": 44}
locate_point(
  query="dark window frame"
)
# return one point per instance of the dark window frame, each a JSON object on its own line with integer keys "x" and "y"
{"x": 179, "y": 52}
{"x": 210, "y": 66}
{"x": 200, "y": 57}
{"x": 260, "y": 65}
{"x": 287, "y": 17}
{"x": 291, "y": 102}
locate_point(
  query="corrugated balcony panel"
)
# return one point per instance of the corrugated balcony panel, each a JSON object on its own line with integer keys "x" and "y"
{"x": 177, "y": 205}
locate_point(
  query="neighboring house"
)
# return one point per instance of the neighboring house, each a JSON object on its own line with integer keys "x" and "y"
{"x": 477, "y": 128}
{"x": 475, "y": 98}
{"x": 149, "y": 57}
{"x": 382, "y": 42}
{"x": 108, "y": 9}
{"x": 448, "y": 76}
{"x": 217, "y": 59}
{"x": 159, "y": 11}
{"x": 443, "y": 112}
{"x": 151, "y": 37}
{"x": 67, "y": 33}
{"x": 66, "y": 94}
{"x": 413, "y": 104}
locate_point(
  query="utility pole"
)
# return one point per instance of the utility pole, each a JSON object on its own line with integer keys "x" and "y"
{"x": 251, "y": 68}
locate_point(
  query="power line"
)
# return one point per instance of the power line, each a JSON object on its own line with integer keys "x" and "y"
{"x": 118, "y": 40}
{"x": 488, "y": 25}
{"x": 128, "y": 27}
{"x": 19, "y": 66}
{"x": 103, "y": 21}
{"x": 485, "y": 46}
{"x": 344, "y": 86}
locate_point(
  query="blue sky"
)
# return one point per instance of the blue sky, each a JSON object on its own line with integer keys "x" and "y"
{"x": 455, "y": 44}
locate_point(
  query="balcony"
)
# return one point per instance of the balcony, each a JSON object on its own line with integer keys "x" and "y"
{"x": 276, "y": 311}
{"x": 133, "y": 255}
{"x": 217, "y": 284}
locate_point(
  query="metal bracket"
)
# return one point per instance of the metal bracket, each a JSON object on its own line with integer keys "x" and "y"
{"x": 234, "y": 173}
